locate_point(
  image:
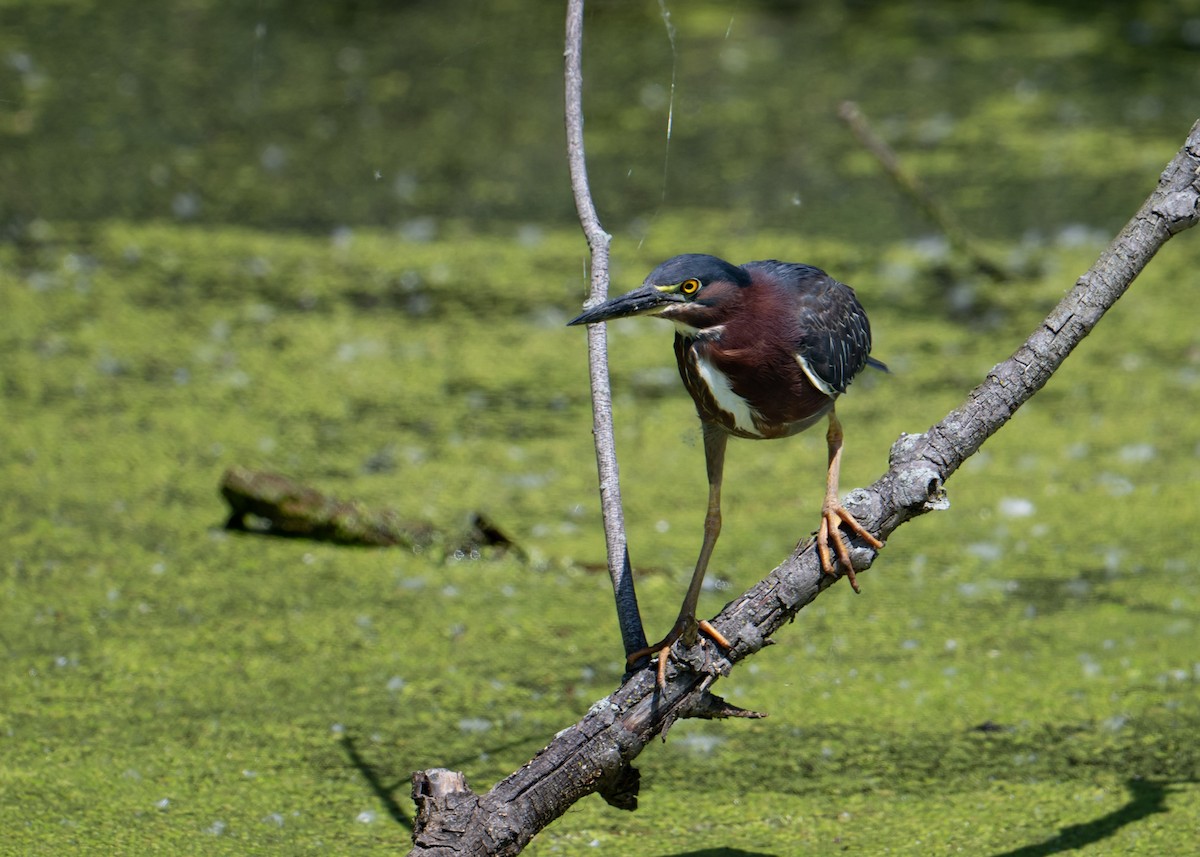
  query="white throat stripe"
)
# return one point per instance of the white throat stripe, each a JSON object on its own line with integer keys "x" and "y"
{"x": 726, "y": 399}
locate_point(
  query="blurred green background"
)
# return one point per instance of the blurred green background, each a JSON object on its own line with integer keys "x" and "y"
{"x": 315, "y": 115}
{"x": 336, "y": 240}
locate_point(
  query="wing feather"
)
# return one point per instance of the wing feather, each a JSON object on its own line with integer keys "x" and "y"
{"x": 829, "y": 332}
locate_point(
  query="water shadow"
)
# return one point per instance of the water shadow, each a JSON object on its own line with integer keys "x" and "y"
{"x": 1147, "y": 797}
{"x": 386, "y": 793}
{"x": 721, "y": 852}
{"x": 383, "y": 791}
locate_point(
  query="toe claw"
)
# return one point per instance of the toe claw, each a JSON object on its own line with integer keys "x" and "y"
{"x": 662, "y": 649}
{"x": 831, "y": 518}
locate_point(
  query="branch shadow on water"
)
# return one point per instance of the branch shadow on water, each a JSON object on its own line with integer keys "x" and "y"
{"x": 721, "y": 852}
{"x": 382, "y": 790}
{"x": 385, "y": 793}
{"x": 1146, "y": 798}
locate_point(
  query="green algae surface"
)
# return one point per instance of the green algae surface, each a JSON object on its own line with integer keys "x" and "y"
{"x": 1020, "y": 674}
{"x": 336, "y": 241}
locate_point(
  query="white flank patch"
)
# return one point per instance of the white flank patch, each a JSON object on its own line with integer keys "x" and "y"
{"x": 818, "y": 382}
{"x": 729, "y": 401}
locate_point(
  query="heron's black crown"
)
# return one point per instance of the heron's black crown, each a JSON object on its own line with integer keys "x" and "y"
{"x": 700, "y": 266}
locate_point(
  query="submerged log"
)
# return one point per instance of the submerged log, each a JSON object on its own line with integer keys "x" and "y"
{"x": 273, "y": 504}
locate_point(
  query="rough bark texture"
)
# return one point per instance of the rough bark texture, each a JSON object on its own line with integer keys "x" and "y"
{"x": 594, "y": 754}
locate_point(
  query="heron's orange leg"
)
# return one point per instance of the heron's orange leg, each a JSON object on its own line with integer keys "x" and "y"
{"x": 834, "y": 514}
{"x": 663, "y": 647}
{"x": 715, "y": 439}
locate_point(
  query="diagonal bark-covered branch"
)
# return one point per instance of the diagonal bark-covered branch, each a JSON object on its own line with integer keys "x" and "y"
{"x": 594, "y": 754}
{"x": 919, "y": 465}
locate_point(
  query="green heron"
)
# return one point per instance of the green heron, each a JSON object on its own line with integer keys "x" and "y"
{"x": 764, "y": 349}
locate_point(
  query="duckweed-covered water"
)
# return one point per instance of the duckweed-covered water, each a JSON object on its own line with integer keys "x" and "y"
{"x": 335, "y": 241}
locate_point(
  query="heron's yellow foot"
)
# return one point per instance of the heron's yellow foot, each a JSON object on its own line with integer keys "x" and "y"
{"x": 663, "y": 647}
{"x": 831, "y": 517}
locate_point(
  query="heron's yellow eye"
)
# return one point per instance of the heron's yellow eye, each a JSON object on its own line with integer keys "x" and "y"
{"x": 690, "y": 286}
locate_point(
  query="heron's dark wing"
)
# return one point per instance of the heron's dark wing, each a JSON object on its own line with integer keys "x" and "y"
{"x": 830, "y": 335}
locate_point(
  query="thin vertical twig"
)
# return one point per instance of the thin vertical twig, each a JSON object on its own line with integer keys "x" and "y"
{"x": 633, "y": 637}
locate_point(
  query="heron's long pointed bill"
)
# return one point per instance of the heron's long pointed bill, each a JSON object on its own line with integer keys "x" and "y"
{"x": 646, "y": 300}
